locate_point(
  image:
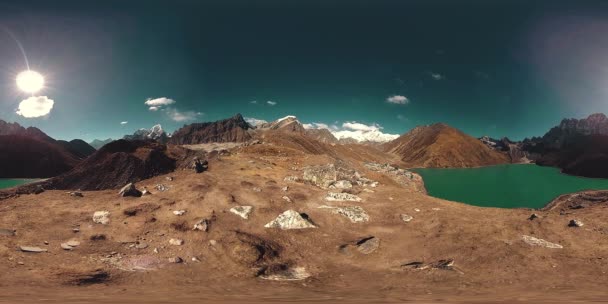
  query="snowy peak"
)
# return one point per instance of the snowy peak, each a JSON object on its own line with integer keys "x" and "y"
{"x": 155, "y": 133}
{"x": 287, "y": 123}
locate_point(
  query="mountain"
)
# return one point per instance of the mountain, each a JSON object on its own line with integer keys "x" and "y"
{"x": 233, "y": 129}
{"x": 572, "y": 129}
{"x": 287, "y": 123}
{"x": 97, "y": 143}
{"x": 156, "y": 133}
{"x": 137, "y": 160}
{"x": 441, "y": 146}
{"x": 29, "y": 152}
{"x": 517, "y": 151}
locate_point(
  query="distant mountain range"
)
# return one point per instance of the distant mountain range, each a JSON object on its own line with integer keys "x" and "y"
{"x": 29, "y": 152}
{"x": 98, "y": 143}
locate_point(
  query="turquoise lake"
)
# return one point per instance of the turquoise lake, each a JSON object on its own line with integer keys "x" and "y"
{"x": 505, "y": 186}
{"x": 12, "y": 182}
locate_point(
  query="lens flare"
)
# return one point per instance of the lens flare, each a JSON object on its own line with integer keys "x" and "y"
{"x": 30, "y": 81}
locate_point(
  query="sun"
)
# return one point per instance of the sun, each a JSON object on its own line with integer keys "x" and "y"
{"x": 30, "y": 81}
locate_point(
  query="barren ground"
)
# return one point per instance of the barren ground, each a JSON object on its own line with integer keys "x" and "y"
{"x": 492, "y": 262}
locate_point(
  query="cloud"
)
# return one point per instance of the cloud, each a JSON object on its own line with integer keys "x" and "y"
{"x": 254, "y": 121}
{"x": 316, "y": 125}
{"x": 35, "y": 106}
{"x": 356, "y": 126}
{"x": 401, "y": 117}
{"x": 271, "y": 103}
{"x": 398, "y": 99}
{"x": 436, "y": 76}
{"x": 178, "y": 116}
{"x": 157, "y": 103}
{"x": 253, "y": 102}
{"x": 124, "y": 122}
{"x": 354, "y": 130}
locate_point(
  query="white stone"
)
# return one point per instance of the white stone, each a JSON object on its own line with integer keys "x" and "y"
{"x": 287, "y": 199}
{"x": 406, "y": 218}
{"x": 355, "y": 214}
{"x": 291, "y": 274}
{"x": 101, "y": 217}
{"x": 530, "y": 240}
{"x": 290, "y": 219}
{"x": 336, "y": 196}
{"x": 176, "y": 242}
{"x": 179, "y": 212}
{"x": 242, "y": 211}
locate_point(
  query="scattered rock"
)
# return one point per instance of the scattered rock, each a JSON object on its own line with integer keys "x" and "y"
{"x": 101, "y": 217}
{"x": 65, "y": 246}
{"x": 406, "y": 218}
{"x": 287, "y": 199}
{"x": 285, "y": 189}
{"x": 141, "y": 245}
{"x": 256, "y": 189}
{"x": 335, "y": 196}
{"x": 32, "y": 249}
{"x": 416, "y": 209}
{"x": 161, "y": 187}
{"x": 169, "y": 178}
{"x": 176, "y": 242}
{"x": 291, "y": 178}
{"x": 195, "y": 259}
{"x": 73, "y": 243}
{"x": 76, "y": 194}
{"x": 242, "y": 211}
{"x": 200, "y": 166}
{"x": 130, "y": 190}
{"x": 8, "y": 232}
{"x": 76, "y": 230}
{"x": 575, "y": 223}
{"x": 368, "y": 245}
{"x": 145, "y": 192}
{"x": 202, "y": 225}
{"x": 342, "y": 184}
{"x": 446, "y": 264}
{"x": 39, "y": 189}
{"x": 368, "y": 190}
{"x": 530, "y": 240}
{"x": 179, "y": 212}
{"x": 176, "y": 260}
{"x": 355, "y": 214}
{"x": 283, "y": 273}
{"x": 98, "y": 237}
{"x": 533, "y": 217}
{"x": 290, "y": 219}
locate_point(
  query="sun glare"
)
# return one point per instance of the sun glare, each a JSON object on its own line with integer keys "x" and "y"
{"x": 30, "y": 81}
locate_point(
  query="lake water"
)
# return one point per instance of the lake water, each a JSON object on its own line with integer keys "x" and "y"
{"x": 12, "y": 182}
{"x": 505, "y": 186}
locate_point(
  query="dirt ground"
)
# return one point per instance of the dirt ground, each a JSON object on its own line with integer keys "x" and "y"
{"x": 128, "y": 259}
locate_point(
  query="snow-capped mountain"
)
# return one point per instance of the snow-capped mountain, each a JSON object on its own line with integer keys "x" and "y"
{"x": 365, "y": 135}
{"x": 155, "y": 133}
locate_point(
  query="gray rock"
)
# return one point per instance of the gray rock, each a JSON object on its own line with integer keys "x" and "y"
{"x": 287, "y": 199}
{"x": 202, "y": 225}
{"x": 342, "y": 184}
{"x": 179, "y": 212}
{"x": 406, "y": 218}
{"x": 242, "y": 211}
{"x": 141, "y": 245}
{"x": 532, "y": 241}
{"x": 129, "y": 190}
{"x": 533, "y": 216}
{"x": 176, "y": 260}
{"x": 39, "y": 189}
{"x": 200, "y": 166}
{"x": 8, "y": 232}
{"x": 161, "y": 187}
{"x": 290, "y": 219}
{"x": 368, "y": 245}
{"x": 176, "y": 242}
{"x": 76, "y": 194}
{"x": 355, "y": 214}
{"x": 575, "y": 223}
{"x": 285, "y": 274}
{"x": 32, "y": 249}
{"x": 101, "y": 217}
{"x": 320, "y": 176}
{"x": 256, "y": 189}
{"x": 336, "y": 196}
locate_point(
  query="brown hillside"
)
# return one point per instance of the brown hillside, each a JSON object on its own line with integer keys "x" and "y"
{"x": 441, "y": 146}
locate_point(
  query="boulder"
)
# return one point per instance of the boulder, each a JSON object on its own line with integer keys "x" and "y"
{"x": 355, "y": 214}
{"x": 39, "y": 189}
{"x": 406, "y": 218}
{"x": 130, "y": 190}
{"x": 532, "y": 241}
{"x": 202, "y": 225}
{"x": 32, "y": 249}
{"x": 8, "y": 232}
{"x": 179, "y": 212}
{"x": 533, "y": 217}
{"x": 284, "y": 273}
{"x": 75, "y": 194}
{"x": 342, "y": 184}
{"x": 336, "y": 196}
{"x": 200, "y": 166}
{"x": 101, "y": 217}
{"x": 368, "y": 245}
{"x": 176, "y": 242}
{"x": 575, "y": 223}
{"x": 290, "y": 219}
{"x": 176, "y": 260}
{"x": 320, "y": 176}
{"x": 242, "y": 211}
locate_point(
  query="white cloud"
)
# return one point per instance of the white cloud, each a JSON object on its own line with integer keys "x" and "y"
{"x": 398, "y": 99}
{"x": 124, "y": 122}
{"x": 270, "y": 102}
{"x": 157, "y": 103}
{"x": 153, "y": 108}
{"x": 254, "y": 121}
{"x": 437, "y": 76}
{"x": 178, "y": 116}
{"x": 316, "y": 125}
{"x": 355, "y": 130}
{"x": 401, "y": 117}
{"x": 253, "y": 102}
{"x": 356, "y": 126}
{"x": 35, "y": 106}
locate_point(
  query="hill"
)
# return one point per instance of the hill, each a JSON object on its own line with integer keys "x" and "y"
{"x": 233, "y": 129}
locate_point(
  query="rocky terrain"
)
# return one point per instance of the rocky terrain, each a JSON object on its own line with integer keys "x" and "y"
{"x": 441, "y": 146}
{"x": 234, "y": 129}
{"x": 156, "y": 133}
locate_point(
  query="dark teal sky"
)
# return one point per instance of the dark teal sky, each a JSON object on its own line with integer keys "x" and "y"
{"x": 507, "y": 68}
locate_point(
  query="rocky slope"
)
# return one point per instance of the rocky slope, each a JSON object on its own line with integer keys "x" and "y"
{"x": 441, "y": 146}
{"x": 156, "y": 133}
{"x": 29, "y": 152}
{"x": 234, "y": 129}
{"x": 118, "y": 163}
{"x": 98, "y": 143}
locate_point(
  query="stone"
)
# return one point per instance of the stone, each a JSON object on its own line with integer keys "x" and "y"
{"x": 65, "y": 246}
{"x": 320, "y": 176}
{"x": 141, "y": 245}
{"x": 533, "y": 216}
{"x": 368, "y": 190}
{"x": 291, "y": 178}
{"x": 532, "y": 241}
{"x": 200, "y": 166}
{"x": 76, "y": 194}
{"x": 202, "y": 225}
{"x": 242, "y": 211}
{"x": 129, "y": 190}
{"x": 406, "y": 218}
{"x": 416, "y": 209}
{"x": 176, "y": 242}
{"x": 176, "y": 260}
{"x": 195, "y": 259}
{"x": 575, "y": 223}
{"x": 39, "y": 189}
{"x": 169, "y": 178}
{"x": 355, "y": 214}
{"x": 161, "y": 187}
{"x": 336, "y": 196}
{"x": 73, "y": 243}
{"x": 368, "y": 245}
{"x": 101, "y": 217}
{"x": 179, "y": 212}
{"x": 256, "y": 189}
{"x": 287, "y": 199}
{"x": 342, "y": 184}
{"x": 8, "y": 232}
{"x": 32, "y": 249}
{"x": 285, "y": 189}
{"x": 285, "y": 274}
{"x": 290, "y": 219}
{"x": 145, "y": 192}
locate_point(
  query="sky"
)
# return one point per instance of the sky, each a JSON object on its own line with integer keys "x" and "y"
{"x": 497, "y": 68}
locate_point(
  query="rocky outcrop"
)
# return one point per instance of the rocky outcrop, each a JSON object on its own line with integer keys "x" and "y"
{"x": 242, "y": 211}
{"x": 341, "y": 197}
{"x": 130, "y": 190}
{"x": 532, "y": 241}
{"x": 441, "y": 146}
{"x": 355, "y": 214}
{"x": 234, "y": 129}
{"x": 291, "y": 219}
